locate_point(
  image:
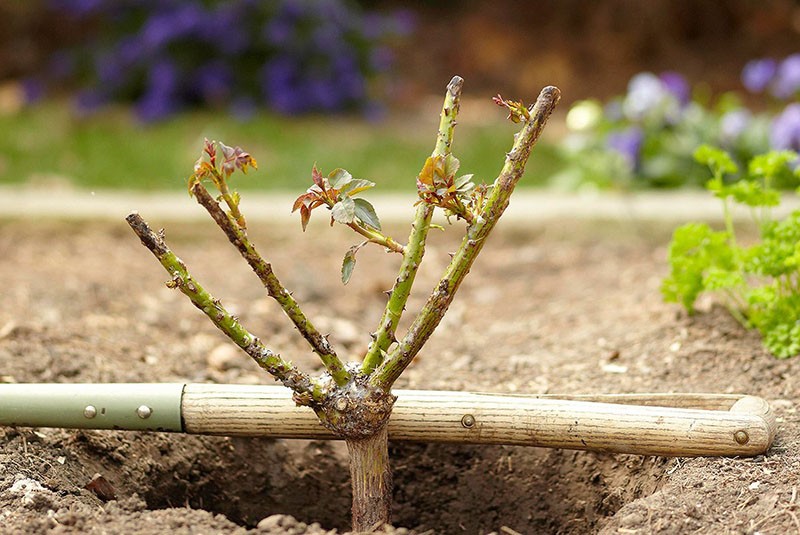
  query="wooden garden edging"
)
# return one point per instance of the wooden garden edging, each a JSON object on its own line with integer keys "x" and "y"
{"x": 644, "y": 424}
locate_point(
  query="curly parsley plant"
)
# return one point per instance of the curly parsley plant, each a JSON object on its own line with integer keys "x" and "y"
{"x": 758, "y": 283}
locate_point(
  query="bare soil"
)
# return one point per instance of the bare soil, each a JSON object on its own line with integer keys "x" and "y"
{"x": 550, "y": 307}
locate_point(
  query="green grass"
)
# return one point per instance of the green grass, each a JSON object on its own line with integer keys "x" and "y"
{"x": 110, "y": 150}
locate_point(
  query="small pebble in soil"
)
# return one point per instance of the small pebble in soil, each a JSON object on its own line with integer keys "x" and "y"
{"x": 632, "y": 520}
{"x": 31, "y": 493}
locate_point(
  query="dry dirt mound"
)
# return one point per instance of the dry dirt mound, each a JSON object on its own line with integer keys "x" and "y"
{"x": 546, "y": 309}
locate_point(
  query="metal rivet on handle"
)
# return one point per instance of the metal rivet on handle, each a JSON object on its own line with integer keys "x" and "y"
{"x": 468, "y": 421}
{"x": 144, "y": 412}
{"x": 741, "y": 437}
{"x": 90, "y": 411}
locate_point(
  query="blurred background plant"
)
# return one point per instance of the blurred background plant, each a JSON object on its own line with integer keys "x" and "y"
{"x": 647, "y": 137}
{"x": 165, "y": 56}
{"x": 87, "y": 87}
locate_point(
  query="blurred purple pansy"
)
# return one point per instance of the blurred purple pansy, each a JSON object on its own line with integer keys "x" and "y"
{"x": 32, "y": 89}
{"x": 785, "y": 130}
{"x": 676, "y": 84}
{"x": 787, "y": 78}
{"x": 89, "y": 101}
{"x": 649, "y": 98}
{"x": 758, "y": 73}
{"x": 213, "y": 82}
{"x": 732, "y": 124}
{"x": 628, "y": 144}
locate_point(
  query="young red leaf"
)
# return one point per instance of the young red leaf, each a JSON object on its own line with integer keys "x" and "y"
{"x": 317, "y": 177}
{"x": 211, "y": 150}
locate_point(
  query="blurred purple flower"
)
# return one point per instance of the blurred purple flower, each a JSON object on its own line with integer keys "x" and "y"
{"x": 89, "y": 101}
{"x": 154, "y": 107}
{"x": 787, "y": 80}
{"x": 280, "y": 87}
{"x": 648, "y": 98}
{"x": 111, "y": 72}
{"x": 785, "y": 131}
{"x": 676, "y": 84}
{"x": 60, "y": 65}
{"x": 758, "y": 73}
{"x": 333, "y": 11}
{"x": 733, "y": 124}
{"x": 381, "y": 58}
{"x": 243, "y": 108}
{"x": 403, "y": 22}
{"x": 129, "y": 50}
{"x": 322, "y": 94}
{"x": 278, "y": 31}
{"x": 400, "y": 23}
{"x": 213, "y": 82}
{"x": 374, "y": 111}
{"x": 160, "y": 97}
{"x": 217, "y": 43}
{"x": 78, "y": 8}
{"x": 280, "y": 72}
{"x": 373, "y": 25}
{"x": 166, "y": 26}
{"x": 292, "y": 8}
{"x": 163, "y": 77}
{"x": 613, "y": 110}
{"x": 628, "y": 144}
{"x": 349, "y": 78}
{"x": 328, "y": 38}
{"x": 32, "y": 89}
{"x": 226, "y": 25}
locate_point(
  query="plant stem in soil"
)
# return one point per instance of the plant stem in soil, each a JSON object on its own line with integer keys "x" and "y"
{"x": 371, "y": 481}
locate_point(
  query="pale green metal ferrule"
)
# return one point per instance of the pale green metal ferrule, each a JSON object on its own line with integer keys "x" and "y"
{"x": 126, "y": 406}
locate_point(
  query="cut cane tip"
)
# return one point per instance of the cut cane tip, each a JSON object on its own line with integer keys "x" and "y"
{"x": 455, "y": 84}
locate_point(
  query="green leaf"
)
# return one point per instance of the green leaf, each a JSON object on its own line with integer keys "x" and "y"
{"x": 716, "y": 278}
{"x": 451, "y": 165}
{"x": 349, "y": 263}
{"x": 356, "y": 185}
{"x": 752, "y": 193}
{"x": 718, "y": 160}
{"x": 365, "y": 212}
{"x": 718, "y": 187}
{"x": 695, "y": 248}
{"x": 339, "y": 178}
{"x": 344, "y": 211}
{"x": 464, "y": 183}
{"x": 772, "y": 165}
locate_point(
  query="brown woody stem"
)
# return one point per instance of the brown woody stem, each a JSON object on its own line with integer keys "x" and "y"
{"x": 442, "y": 296}
{"x": 371, "y": 479}
{"x": 238, "y": 237}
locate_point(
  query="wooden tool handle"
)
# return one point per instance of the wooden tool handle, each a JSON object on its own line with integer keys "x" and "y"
{"x": 644, "y": 424}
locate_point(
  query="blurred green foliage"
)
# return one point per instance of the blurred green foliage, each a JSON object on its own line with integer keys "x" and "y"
{"x": 111, "y": 150}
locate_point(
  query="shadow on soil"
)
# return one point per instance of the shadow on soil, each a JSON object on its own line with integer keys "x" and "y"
{"x": 446, "y": 488}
